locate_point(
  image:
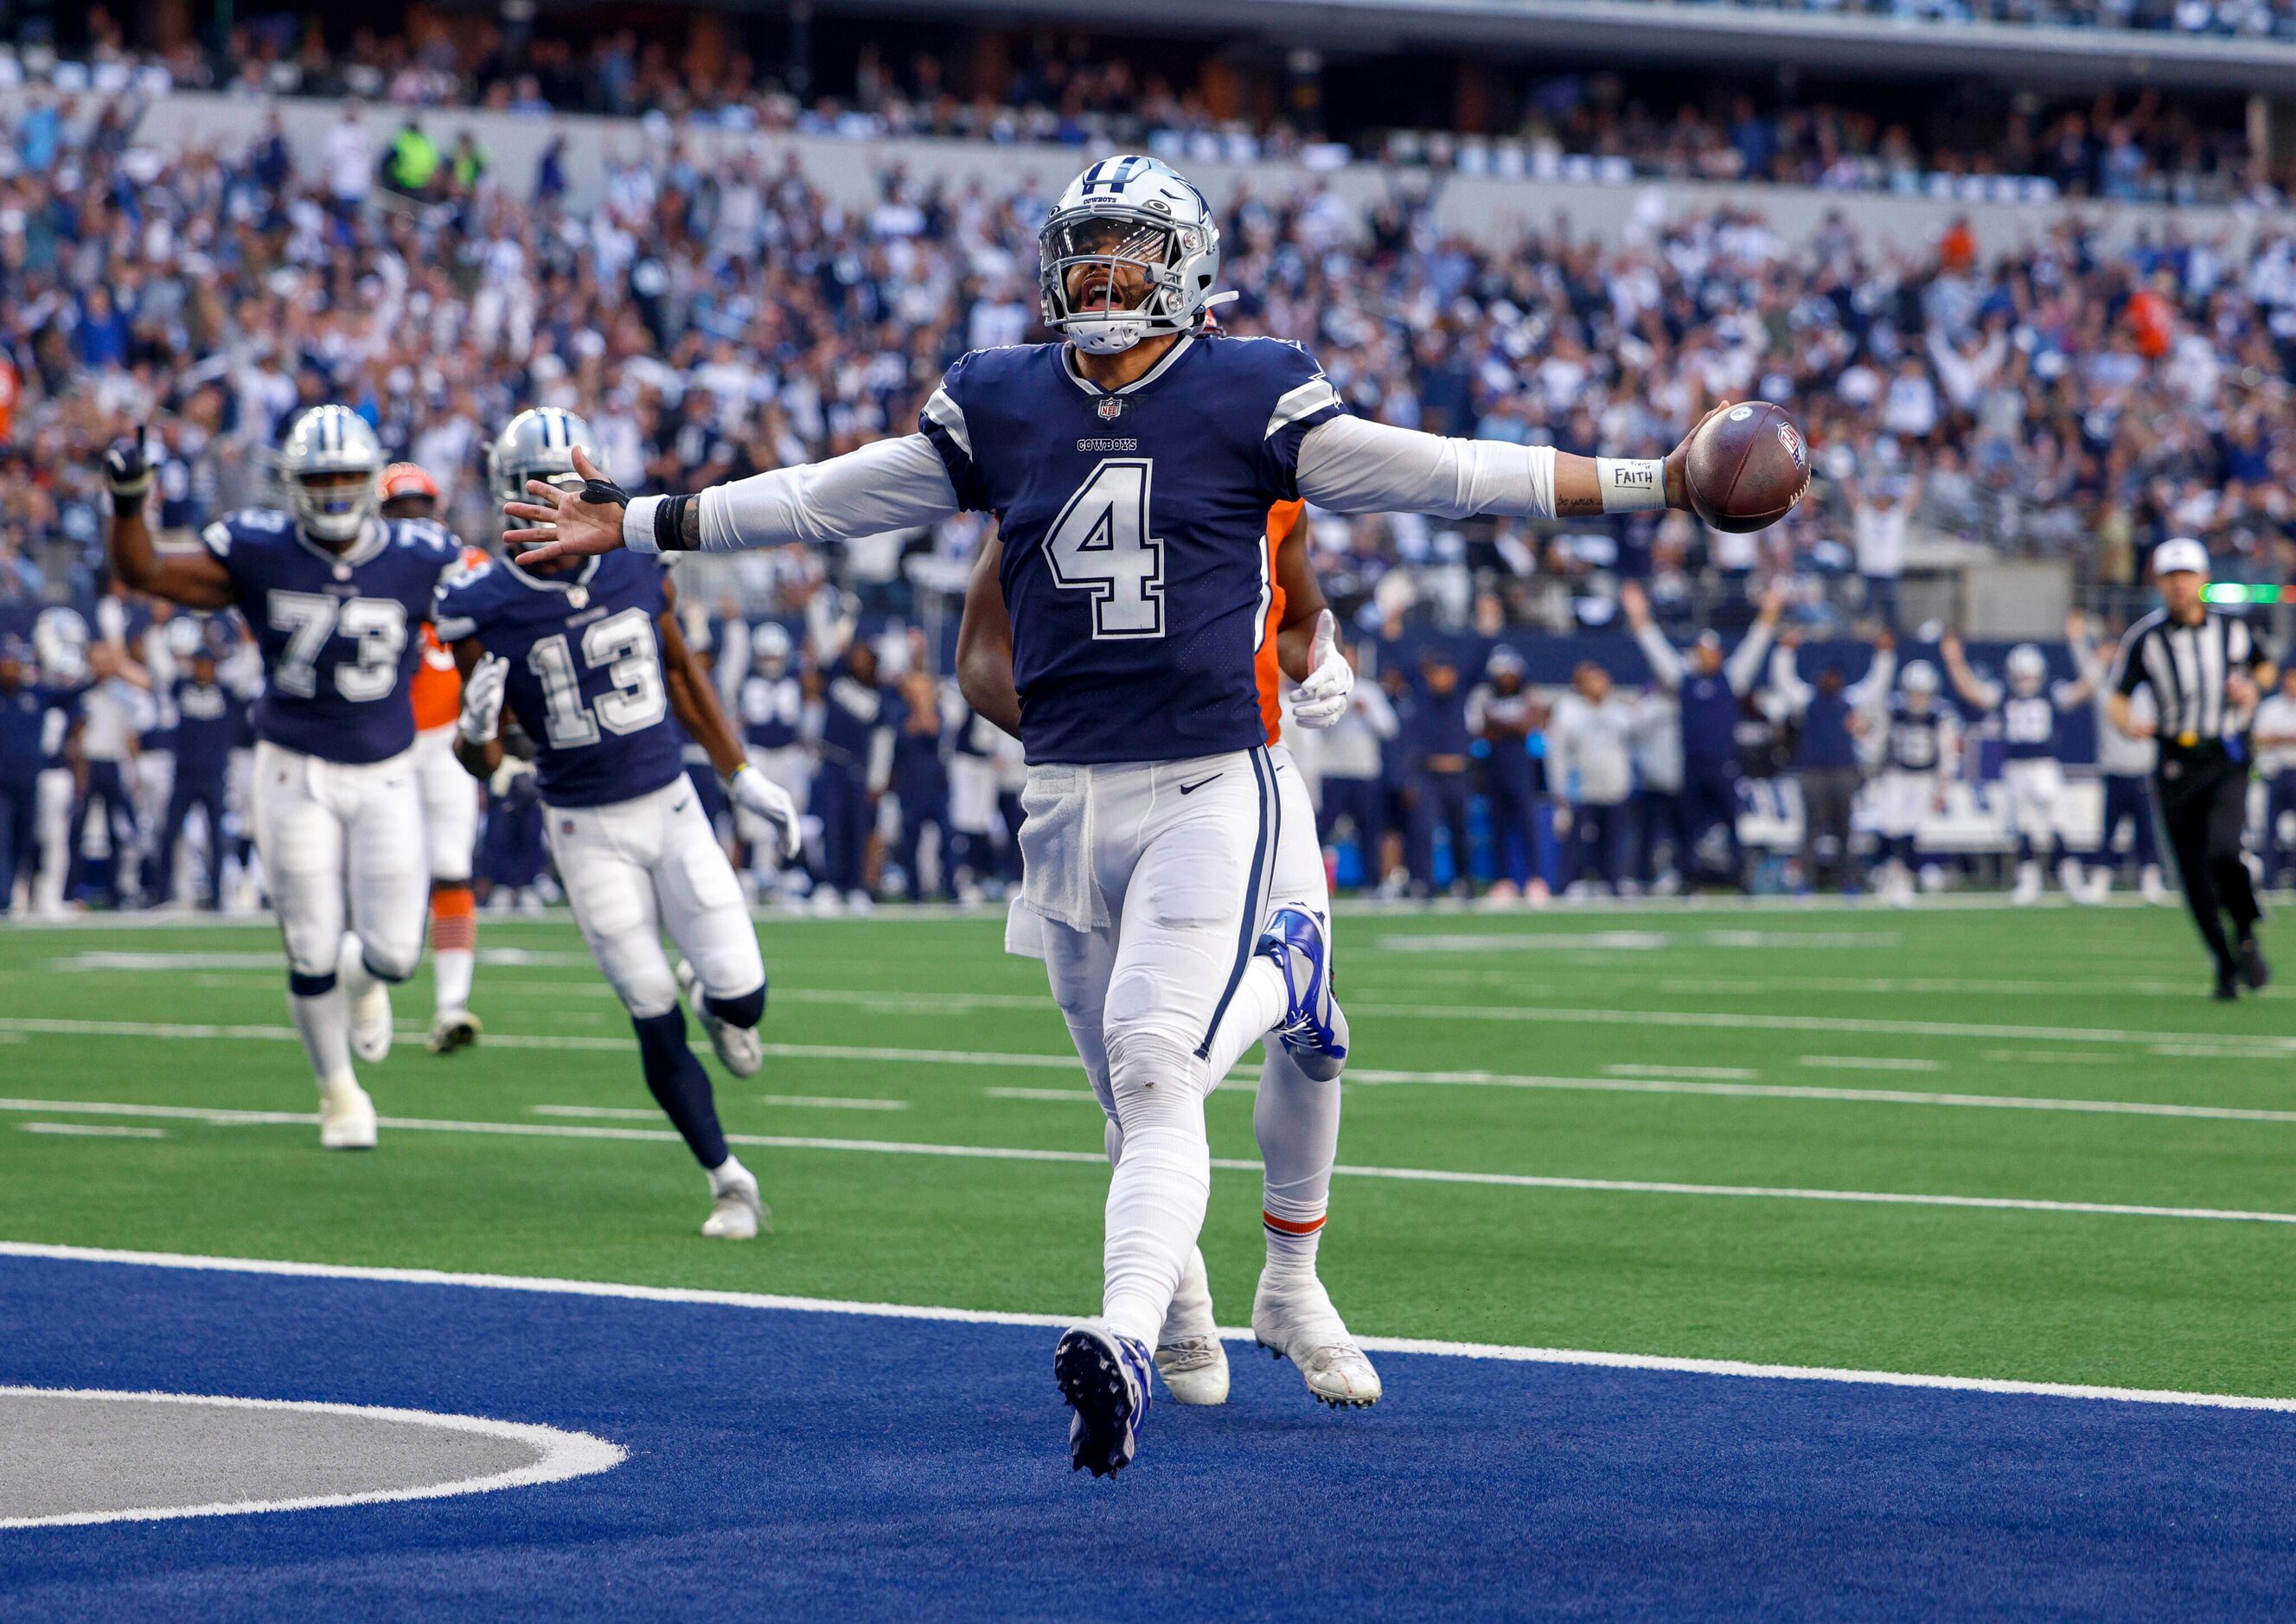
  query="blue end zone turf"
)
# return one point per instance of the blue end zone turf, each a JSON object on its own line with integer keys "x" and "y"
{"x": 812, "y": 1464}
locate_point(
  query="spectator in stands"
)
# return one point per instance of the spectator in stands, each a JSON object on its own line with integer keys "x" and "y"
{"x": 1879, "y": 517}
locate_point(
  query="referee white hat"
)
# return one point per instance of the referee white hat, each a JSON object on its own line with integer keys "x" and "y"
{"x": 2181, "y": 552}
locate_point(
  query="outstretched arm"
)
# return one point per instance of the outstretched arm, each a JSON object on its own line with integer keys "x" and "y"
{"x": 1983, "y": 695}
{"x": 1785, "y": 677}
{"x": 886, "y": 485}
{"x": 1664, "y": 664}
{"x": 1351, "y": 466}
{"x": 1871, "y": 689}
{"x": 1745, "y": 662}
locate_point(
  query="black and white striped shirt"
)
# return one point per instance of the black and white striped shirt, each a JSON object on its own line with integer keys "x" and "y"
{"x": 2186, "y": 666}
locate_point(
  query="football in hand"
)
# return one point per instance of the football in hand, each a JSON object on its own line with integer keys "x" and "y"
{"x": 1747, "y": 466}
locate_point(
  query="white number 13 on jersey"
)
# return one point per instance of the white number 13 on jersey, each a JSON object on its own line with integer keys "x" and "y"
{"x": 1100, "y": 545}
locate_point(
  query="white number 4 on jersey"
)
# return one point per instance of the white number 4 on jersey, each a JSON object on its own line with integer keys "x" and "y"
{"x": 1100, "y": 545}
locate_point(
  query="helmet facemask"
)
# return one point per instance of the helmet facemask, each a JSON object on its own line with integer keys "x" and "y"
{"x": 331, "y": 504}
{"x": 1112, "y": 276}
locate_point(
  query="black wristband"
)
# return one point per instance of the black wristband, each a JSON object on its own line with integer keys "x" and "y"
{"x": 669, "y": 524}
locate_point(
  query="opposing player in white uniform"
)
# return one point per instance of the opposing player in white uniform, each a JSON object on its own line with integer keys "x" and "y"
{"x": 336, "y": 596}
{"x": 589, "y": 661}
{"x": 2029, "y": 711}
{"x": 1131, "y": 468}
{"x": 1920, "y": 742}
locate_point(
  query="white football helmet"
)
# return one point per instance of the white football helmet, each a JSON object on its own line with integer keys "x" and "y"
{"x": 1920, "y": 677}
{"x": 1136, "y": 212}
{"x": 769, "y": 647}
{"x": 2029, "y": 669}
{"x": 539, "y": 444}
{"x": 325, "y": 443}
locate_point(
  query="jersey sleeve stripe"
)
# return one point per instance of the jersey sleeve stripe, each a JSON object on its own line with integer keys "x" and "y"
{"x": 451, "y": 628}
{"x": 1307, "y": 398}
{"x": 944, "y": 410}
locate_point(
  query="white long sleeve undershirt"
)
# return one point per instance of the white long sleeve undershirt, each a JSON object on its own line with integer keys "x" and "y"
{"x": 1346, "y": 466}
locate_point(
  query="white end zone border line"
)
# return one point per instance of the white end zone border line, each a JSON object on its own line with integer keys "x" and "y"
{"x": 981, "y": 1316}
{"x": 563, "y": 1454}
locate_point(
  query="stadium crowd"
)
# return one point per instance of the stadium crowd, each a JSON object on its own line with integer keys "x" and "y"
{"x": 1063, "y": 89}
{"x": 711, "y": 322}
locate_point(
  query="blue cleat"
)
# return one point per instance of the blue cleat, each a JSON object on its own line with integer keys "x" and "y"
{"x": 1313, "y": 1030}
{"x": 1104, "y": 1378}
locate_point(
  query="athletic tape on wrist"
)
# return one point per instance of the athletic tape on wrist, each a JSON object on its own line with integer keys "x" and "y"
{"x": 1630, "y": 485}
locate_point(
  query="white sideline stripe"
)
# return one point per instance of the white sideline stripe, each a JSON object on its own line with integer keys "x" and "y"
{"x": 2048, "y": 1057}
{"x": 1728, "y": 1074}
{"x": 981, "y": 1316}
{"x": 1368, "y": 1076}
{"x": 1042, "y": 1094}
{"x": 93, "y": 1130}
{"x": 563, "y": 1454}
{"x": 1733, "y": 1020}
{"x": 1231, "y": 1164}
{"x": 630, "y": 1114}
{"x": 1803, "y": 1091}
{"x": 1871, "y": 1063}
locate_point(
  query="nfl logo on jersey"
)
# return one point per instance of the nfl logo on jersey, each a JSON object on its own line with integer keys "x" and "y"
{"x": 1110, "y": 408}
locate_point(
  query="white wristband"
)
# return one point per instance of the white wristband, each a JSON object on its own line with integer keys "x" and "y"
{"x": 1630, "y": 485}
{"x": 637, "y": 524}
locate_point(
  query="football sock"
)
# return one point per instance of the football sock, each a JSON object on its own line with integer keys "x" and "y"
{"x": 1162, "y": 1180}
{"x": 323, "y": 1020}
{"x": 1259, "y": 1004}
{"x": 745, "y": 1011}
{"x": 1191, "y": 1313}
{"x": 1296, "y": 1122}
{"x": 679, "y": 1084}
{"x": 453, "y": 945}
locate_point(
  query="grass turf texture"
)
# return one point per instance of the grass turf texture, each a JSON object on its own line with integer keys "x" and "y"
{"x": 1989, "y": 1000}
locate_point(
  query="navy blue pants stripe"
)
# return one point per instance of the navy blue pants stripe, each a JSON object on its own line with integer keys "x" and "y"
{"x": 1257, "y": 883}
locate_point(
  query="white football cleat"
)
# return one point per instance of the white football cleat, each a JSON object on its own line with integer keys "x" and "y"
{"x": 451, "y": 1030}
{"x": 346, "y": 1119}
{"x": 738, "y": 1211}
{"x": 739, "y": 1049}
{"x": 368, "y": 997}
{"x": 2149, "y": 887}
{"x": 2029, "y": 884}
{"x": 1293, "y": 1319}
{"x": 1188, "y": 1352}
{"x": 2074, "y": 878}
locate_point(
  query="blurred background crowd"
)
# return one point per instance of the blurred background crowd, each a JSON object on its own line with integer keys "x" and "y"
{"x": 2061, "y": 395}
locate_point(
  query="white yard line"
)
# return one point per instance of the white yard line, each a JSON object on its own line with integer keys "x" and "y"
{"x": 93, "y": 1130}
{"x": 1729, "y": 1369}
{"x": 1063, "y": 1094}
{"x": 1870, "y": 1062}
{"x": 1728, "y": 1074}
{"x": 994, "y": 1152}
{"x": 1741, "y": 1020}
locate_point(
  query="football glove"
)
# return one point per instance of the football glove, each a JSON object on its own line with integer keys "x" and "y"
{"x": 761, "y": 798}
{"x": 1322, "y": 699}
{"x": 127, "y": 468}
{"x": 482, "y": 698}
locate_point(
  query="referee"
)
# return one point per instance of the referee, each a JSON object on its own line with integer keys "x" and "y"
{"x": 2205, "y": 671}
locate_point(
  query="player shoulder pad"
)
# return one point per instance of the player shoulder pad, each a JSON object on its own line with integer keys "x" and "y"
{"x": 1291, "y": 379}
{"x": 425, "y": 536}
{"x": 248, "y": 526}
{"x": 461, "y": 600}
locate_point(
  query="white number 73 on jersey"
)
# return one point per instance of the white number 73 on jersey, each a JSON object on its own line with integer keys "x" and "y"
{"x": 1100, "y": 544}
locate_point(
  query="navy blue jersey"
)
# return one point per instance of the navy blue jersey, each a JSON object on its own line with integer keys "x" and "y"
{"x": 338, "y": 630}
{"x": 772, "y": 707}
{"x": 2029, "y": 727}
{"x": 1710, "y": 709}
{"x": 60, "y": 706}
{"x": 1916, "y": 744}
{"x": 23, "y": 728}
{"x": 851, "y": 717}
{"x": 585, "y": 673}
{"x": 209, "y": 719}
{"x": 1137, "y": 568}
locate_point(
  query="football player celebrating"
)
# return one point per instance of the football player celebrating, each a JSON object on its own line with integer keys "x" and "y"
{"x": 1919, "y": 743}
{"x": 2028, "y": 713}
{"x": 590, "y": 663}
{"x": 450, "y": 804}
{"x": 334, "y": 593}
{"x": 1131, "y": 467}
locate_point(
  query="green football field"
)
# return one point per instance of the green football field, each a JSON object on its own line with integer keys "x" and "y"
{"x": 1975, "y": 1142}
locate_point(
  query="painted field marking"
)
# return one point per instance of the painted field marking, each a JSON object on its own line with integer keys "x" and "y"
{"x": 1728, "y": 1074}
{"x": 2258, "y": 1050}
{"x": 93, "y": 1130}
{"x": 1733, "y": 1368}
{"x": 1736, "y": 1021}
{"x": 2049, "y": 1057}
{"x": 996, "y": 1152}
{"x": 1870, "y": 1062}
{"x": 561, "y": 1453}
{"x": 1042, "y": 1094}
{"x": 1631, "y": 941}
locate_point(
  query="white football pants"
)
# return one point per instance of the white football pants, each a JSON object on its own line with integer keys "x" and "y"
{"x": 637, "y": 867}
{"x": 333, "y": 834}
